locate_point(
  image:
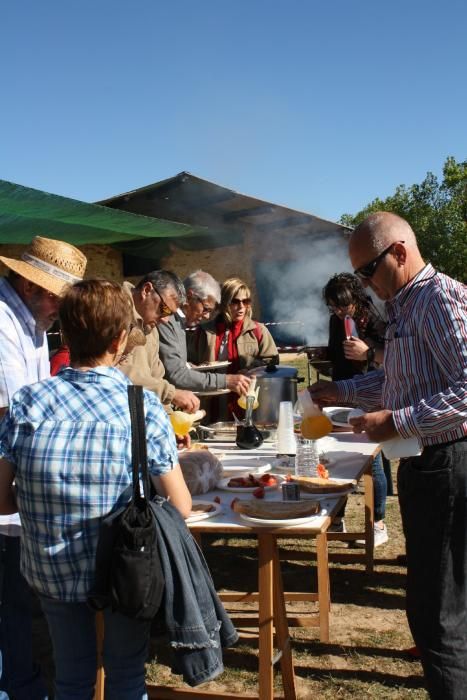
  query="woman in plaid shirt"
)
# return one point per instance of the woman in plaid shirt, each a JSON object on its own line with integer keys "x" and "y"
{"x": 66, "y": 441}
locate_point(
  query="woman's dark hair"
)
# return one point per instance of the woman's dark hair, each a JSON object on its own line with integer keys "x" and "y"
{"x": 345, "y": 289}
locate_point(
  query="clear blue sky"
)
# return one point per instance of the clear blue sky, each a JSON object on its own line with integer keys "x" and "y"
{"x": 318, "y": 104}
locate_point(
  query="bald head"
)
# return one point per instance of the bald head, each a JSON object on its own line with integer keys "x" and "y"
{"x": 384, "y": 252}
{"x": 378, "y": 231}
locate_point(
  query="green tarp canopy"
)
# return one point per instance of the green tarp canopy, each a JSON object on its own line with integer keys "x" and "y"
{"x": 26, "y": 212}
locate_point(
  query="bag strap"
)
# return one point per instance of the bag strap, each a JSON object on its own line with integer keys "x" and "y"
{"x": 139, "y": 457}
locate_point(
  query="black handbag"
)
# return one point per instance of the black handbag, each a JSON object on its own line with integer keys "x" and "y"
{"x": 128, "y": 574}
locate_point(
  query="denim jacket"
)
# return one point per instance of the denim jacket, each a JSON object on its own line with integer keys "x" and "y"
{"x": 194, "y": 617}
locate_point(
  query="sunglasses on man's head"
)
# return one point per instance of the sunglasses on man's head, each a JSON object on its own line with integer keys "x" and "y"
{"x": 365, "y": 272}
{"x": 238, "y": 302}
{"x": 164, "y": 310}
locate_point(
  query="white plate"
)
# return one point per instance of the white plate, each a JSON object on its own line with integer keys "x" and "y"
{"x": 211, "y": 366}
{"x": 222, "y": 484}
{"x": 333, "y": 412}
{"x": 260, "y": 522}
{"x": 248, "y": 465}
{"x": 203, "y": 516}
{"x": 212, "y": 392}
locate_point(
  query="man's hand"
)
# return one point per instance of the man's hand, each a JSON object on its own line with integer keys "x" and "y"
{"x": 185, "y": 400}
{"x": 355, "y": 349}
{"x": 379, "y": 426}
{"x": 324, "y": 393}
{"x": 238, "y": 383}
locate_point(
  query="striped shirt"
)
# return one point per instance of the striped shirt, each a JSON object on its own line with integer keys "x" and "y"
{"x": 69, "y": 441}
{"x": 424, "y": 376}
{"x": 24, "y": 355}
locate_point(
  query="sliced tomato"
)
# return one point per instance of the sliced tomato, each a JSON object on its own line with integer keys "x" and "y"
{"x": 259, "y": 492}
{"x": 322, "y": 472}
{"x": 268, "y": 480}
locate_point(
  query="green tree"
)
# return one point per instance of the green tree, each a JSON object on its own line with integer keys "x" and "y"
{"x": 437, "y": 213}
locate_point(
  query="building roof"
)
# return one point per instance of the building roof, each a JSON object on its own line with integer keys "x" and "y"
{"x": 27, "y": 212}
{"x": 193, "y": 200}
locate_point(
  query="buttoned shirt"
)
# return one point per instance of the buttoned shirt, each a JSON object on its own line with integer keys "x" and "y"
{"x": 24, "y": 355}
{"x": 424, "y": 376}
{"x": 69, "y": 441}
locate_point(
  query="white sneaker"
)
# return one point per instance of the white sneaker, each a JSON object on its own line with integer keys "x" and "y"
{"x": 380, "y": 537}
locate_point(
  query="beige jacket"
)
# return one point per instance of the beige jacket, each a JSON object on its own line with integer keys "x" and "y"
{"x": 202, "y": 344}
{"x": 143, "y": 365}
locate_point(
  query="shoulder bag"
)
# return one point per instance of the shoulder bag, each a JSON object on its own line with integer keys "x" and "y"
{"x": 128, "y": 574}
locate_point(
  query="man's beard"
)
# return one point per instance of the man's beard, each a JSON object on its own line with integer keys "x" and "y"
{"x": 43, "y": 322}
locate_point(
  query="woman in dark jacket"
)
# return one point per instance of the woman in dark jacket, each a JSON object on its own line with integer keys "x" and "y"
{"x": 355, "y": 353}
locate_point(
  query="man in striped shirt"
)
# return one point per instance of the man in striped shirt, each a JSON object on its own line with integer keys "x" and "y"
{"x": 420, "y": 392}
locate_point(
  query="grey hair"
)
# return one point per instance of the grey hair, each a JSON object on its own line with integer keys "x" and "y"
{"x": 162, "y": 280}
{"x": 203, "y": 285}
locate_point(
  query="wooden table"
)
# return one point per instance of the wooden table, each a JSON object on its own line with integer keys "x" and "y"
{"x": 271, "y": 598}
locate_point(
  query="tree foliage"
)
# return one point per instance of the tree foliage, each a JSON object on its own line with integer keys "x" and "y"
{"x": 437, "y": 213}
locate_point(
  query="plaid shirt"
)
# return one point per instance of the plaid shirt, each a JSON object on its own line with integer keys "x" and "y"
{"x": 24, "y": 355}
{"x": 69, "y": 441}
{"x": 424, "y": 376}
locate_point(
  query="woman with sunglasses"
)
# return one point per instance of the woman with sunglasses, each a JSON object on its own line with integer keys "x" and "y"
{"x": 233, "y": 335}
{"x": 345, "y": 296}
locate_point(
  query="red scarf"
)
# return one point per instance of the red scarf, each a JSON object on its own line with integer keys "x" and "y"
{"x": 234, "y": 333}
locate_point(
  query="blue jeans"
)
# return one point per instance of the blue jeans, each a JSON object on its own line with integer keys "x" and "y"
{"x": 73, "y": 632}
{"x": 380, "y": 487}
{"x": 380, "y": 490}
{"x": 19, "y": 675}
{"x": 433, "y": 500}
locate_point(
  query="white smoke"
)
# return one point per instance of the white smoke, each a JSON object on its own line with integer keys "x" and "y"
{"x": 296, "y": 285}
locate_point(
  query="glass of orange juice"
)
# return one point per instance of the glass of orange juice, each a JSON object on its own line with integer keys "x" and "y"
{"x": 182, "y": 422}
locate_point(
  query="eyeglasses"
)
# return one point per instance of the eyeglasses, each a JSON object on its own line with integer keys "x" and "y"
{"x": 365, "y": 272}
{"x": 208, "y": 310}
{"x": 239, "y": 302}
{"x": 164, "y": 310}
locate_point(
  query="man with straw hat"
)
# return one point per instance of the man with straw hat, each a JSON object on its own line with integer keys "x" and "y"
{"x": 29, "y": 298}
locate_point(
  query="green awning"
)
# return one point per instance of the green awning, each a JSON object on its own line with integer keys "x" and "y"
{"x": 26, "y": 212}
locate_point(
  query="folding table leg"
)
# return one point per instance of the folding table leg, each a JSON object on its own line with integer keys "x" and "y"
{"x": 265, "y": 614}
{"x": 324, "y": 596}
{"x": 282, "y": 631}
{"x": 369, "y": 522}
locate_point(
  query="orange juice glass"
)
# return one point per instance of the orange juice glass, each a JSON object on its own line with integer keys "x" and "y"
{"x": 181, "y": 422}
{"x": 315, "y": 427}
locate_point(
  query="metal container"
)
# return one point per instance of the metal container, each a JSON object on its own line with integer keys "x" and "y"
{"x": 225, "y": 431}
{"x": 276, "y": 383}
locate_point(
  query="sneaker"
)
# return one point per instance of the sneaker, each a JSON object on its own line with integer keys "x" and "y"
{"x": 337, "y": 526}
{"x": 380, "y": 534}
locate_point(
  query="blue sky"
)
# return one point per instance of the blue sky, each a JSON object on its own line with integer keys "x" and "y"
{"x": 320, "y": 105}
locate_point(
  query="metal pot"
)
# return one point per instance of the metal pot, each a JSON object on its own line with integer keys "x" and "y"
{"x": 276, "y": 383}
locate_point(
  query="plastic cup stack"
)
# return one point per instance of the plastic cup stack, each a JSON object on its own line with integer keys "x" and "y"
{"x": 286, "y": 443}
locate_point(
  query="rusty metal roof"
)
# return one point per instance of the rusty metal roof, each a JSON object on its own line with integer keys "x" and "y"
{"x": 192, "y": 200}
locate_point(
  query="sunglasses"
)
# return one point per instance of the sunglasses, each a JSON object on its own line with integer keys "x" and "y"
{"x": 365, "y": 272}
{"x": 239, "y": 302}
{"x": 164, "y": 310}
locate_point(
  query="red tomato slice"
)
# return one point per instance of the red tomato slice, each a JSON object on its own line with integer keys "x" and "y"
{"x": 259, "y": 492}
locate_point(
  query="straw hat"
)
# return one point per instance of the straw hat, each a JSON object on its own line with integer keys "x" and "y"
{"x": 50, "y": 264}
